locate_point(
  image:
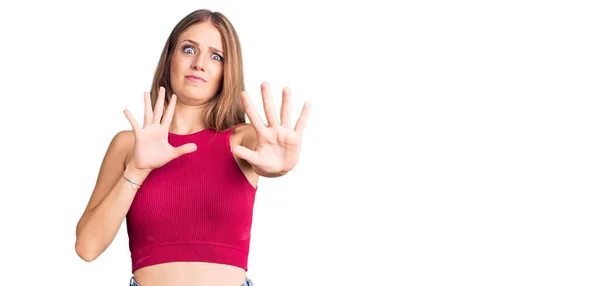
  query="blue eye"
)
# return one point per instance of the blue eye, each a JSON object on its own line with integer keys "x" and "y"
{"x": 189, "y": 50}
{"x": 217, "y": 57}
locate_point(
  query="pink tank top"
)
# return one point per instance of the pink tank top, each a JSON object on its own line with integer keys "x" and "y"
{"x": 197, "y": 207}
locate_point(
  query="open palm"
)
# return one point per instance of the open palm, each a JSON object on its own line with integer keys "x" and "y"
{"x": 152, "y": 149}
{"x": 277, "y": 145}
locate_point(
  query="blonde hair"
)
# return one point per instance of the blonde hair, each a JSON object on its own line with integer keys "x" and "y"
{"x": 225, "y": 110}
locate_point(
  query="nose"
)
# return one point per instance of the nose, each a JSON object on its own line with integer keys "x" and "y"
{"x": 198, "y": 63}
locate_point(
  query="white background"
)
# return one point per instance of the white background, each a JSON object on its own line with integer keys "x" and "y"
{"x": 449, "y": 143}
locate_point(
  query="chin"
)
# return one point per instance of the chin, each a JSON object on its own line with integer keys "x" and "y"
{"x": 195, "y": 95}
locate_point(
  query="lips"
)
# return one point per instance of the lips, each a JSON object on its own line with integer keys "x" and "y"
{"x": 195, "y": 78}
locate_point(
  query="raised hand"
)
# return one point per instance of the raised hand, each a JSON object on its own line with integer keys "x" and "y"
{"x": 277, "y": 145}
{"x": 152, "y": 149}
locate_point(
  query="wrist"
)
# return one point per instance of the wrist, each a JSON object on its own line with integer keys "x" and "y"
{"x": 134, "y": 175}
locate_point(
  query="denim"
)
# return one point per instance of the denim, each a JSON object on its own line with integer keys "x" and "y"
{"x": 132, "y": 282}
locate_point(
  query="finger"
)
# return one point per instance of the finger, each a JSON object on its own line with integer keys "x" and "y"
{"x": 185, "y": 148}
{"x": 270, "y": 113}
{"x": 134, "y": 124}
{"x": 285, "y": 108}
{"x": 303, "y": 119}
{"x": 245, "y": 154}
{"x": 255, "y": 119}
{"x": 147, "y": 109}
{"x": 170, "y": 110}
{"x": 158, "y": 107}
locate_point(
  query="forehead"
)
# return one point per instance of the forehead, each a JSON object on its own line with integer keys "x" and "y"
{"x": 204, "y": 33}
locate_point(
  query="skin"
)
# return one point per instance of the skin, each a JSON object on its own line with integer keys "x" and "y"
{"x": 267, "y": 150}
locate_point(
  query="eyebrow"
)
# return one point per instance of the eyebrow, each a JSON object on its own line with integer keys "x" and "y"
{"x": 198, "y": 44}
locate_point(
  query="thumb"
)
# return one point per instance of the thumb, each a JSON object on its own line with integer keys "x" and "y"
{"x": 245, "y": 154}
{"x": 186, "y": 148}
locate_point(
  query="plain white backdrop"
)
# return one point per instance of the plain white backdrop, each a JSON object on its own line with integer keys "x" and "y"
{"x": 449, "y": 143}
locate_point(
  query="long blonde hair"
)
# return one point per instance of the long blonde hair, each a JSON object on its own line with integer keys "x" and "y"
{"x": 225, "y": 110}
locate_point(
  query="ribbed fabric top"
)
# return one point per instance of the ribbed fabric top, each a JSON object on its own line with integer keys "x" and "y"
{"x": 197, "y": 207}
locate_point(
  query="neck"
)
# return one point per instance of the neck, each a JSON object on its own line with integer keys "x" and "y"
{"x": 187, "y": 119}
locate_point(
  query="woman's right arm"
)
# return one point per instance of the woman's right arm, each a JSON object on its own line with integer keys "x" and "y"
{"x": 131, "y": 154}
{"x": 110, "y": 200}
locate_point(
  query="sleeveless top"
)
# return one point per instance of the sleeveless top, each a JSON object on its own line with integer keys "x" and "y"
{"x": 197, "y": 207}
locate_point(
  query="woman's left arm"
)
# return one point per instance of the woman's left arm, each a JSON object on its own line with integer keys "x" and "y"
{"x": 273, "y": 149}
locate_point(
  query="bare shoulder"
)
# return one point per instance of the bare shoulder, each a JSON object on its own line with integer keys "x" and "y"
{"x": 242, "y": 128}
{"x": 113, "y": 163}
{"x": 123, "y": 138}
{"x": 122, "y": 143}
{"x": 245, "y": 135}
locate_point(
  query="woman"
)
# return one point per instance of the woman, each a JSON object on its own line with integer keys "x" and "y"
{"x": 185, "y": 180}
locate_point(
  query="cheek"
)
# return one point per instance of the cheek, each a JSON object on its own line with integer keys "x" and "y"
{"x": 176, "y": 64}
{"x": 218, "y": 75}
{"x": 178, "y": 70}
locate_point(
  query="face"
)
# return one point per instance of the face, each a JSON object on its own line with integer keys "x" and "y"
{"x": 197, "y": 64}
